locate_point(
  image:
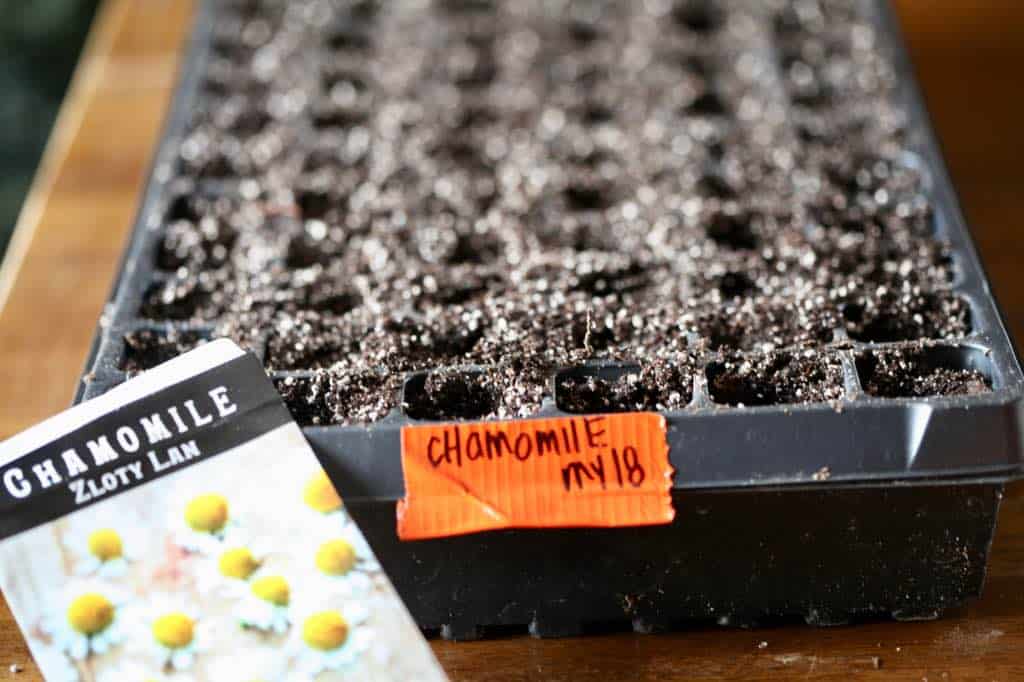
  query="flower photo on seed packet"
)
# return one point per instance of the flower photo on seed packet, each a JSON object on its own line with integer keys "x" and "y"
{"x": 209, "y": 574}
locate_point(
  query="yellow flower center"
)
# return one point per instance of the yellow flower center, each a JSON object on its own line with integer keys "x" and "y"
{"x": 174, "y": 630}
{"x": 335, "y": 557}
{"x": 325, "y": 631}
{"x": 207, "y": 513}
{"x": 105, "y": 544}
{"x": 320, "y": 494}
{"x": 90, "y": 613}
{"x": 273, "y": 589}
{"x": 238, "y": 563}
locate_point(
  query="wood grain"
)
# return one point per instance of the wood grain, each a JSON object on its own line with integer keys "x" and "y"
{"x": 57, "y": 275}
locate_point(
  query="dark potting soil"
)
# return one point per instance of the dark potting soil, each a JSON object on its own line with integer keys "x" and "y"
{"x": 776, "y": 379}
{"x": 909, "y": 373}
{"x": 661, "y": 384}
{"x": 374, "y": 189}
{"x": 147, "y": 348}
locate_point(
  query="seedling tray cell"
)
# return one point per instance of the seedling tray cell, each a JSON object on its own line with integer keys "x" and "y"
{"x": 731, "y": 213}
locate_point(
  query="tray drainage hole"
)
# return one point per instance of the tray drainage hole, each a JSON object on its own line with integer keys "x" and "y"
{"x": 584, "y": 33}
{"x": 889, "y": 315}
{"x": 708, "y": 104}
{"x": 694, "y": 64}
{"x": 596, "y": 114}
{"x": 591, "y": 183}
{"x": 588, "y": 194}
{"x": 147, "y": 348}
{"x": 467, "y": 6}
{"x": 248, "y": 122}
{"x": 732, "y": 230}
{"x": 365, "y": 10}
{"x": 452, "y": 241}
{"x": 313, "y": 202}
{"x": 660, "y": 384}
{"x": 330, "y": 297}
{"x": 182, "y": 207}
{"x": 699, "y": 16}
{"x": 450, "y": 394}
{"x": 734, "y": 285}
{"x": 330, "y": 115}
{"x": 776, "y": 379}
{"x": 599, "y": 276}
{"x": 476, "y": 116}
{"x": 308, "y": 248}
{"x": 713, "y": 185}
{"x": 350, "y": 39}
{"x": 929, "y": 372}
{"x": 458, "y": 151}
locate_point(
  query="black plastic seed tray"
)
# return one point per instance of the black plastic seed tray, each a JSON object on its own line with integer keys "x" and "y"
{"x": 867, "y": 485}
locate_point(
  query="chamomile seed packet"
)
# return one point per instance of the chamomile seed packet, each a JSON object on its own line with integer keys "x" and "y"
{"x": 179, "y": 527}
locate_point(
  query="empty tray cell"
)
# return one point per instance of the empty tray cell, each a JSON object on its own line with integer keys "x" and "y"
{"x": 702, "y": 17}
{"x": 888, "y": 187}
{"x": 361, "y": 395}
{"x": 732, "y": 229}
{"x": 315, "y": 245}
{"x": 147, "y": 348}
{"x": 181, "y": 297}
{"x": 776, "y": 379}
{"x": 309, "y": 340}
{"x": 664, "y": 384}
{"x": 906, "y": 314}
{"x": 305, "y": 397}
{"x": 450, "y": 394}
{"x": 201, "y": 244}
{"x": 761, "y": 323}
{"x": 715, "y": 185}
{"x": 925, "y": 372}
{"x": 351, "y": 395}
{"x": 406, "y": 343}
{"x": 708, "y": 104}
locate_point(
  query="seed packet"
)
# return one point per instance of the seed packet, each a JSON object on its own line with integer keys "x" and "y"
{"x": 179, "y": 527}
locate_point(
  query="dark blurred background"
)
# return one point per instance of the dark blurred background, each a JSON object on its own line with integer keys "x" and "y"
{"x": 39, "y": 45}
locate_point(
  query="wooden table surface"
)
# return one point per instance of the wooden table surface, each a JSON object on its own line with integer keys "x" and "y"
{"x": 58, "y": 271}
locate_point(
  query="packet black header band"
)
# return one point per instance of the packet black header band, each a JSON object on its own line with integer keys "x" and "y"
{"x": 157, "y": 435}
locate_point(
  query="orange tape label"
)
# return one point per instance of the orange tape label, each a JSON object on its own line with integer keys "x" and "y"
{"x": 596, "y": 470}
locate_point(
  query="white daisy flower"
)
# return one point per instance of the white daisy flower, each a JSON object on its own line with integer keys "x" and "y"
{"x": 105, "y": 551}
{"x": 228, "y": 571}
{"x": 330, "y": 640}
{"x": 266, "y": 606}
{"x": 345, "y": 563}
{"x": 205, "y": 524}
{"x": 103, "y": 543}
{"x": 320, "y": 496}
{"x": 174, "y": 634}
{"x": 87, "y": 620}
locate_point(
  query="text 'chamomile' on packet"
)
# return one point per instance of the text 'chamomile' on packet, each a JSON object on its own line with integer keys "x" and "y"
{"x": 180, "y": 527}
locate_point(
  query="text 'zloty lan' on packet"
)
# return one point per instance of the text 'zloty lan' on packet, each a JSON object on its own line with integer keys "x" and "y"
{"x": 180, "y": 527}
